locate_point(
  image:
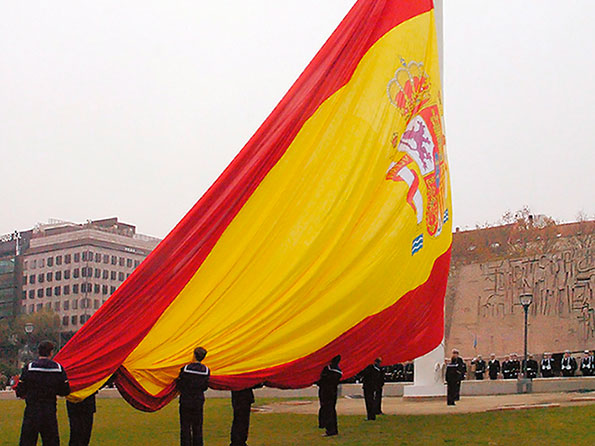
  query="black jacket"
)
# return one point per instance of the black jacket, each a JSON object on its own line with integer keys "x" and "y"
{"x": 192, "y": 383}
{"x": 41, "y": 381}
{"x": 494, "y": 368}
{"x": 329, "y": 381}
{"x": 372, "y": 377}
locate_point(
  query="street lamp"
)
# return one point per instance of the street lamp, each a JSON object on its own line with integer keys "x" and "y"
{"x": 29, "y": 327}
{"x": 526, "y": 301}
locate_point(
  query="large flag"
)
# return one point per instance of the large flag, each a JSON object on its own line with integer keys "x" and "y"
{"x": 328, "y": 234}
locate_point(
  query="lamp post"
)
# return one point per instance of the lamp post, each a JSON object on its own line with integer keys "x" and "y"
{"x": 526, "y": 301}
{"x": 29, "y": 327}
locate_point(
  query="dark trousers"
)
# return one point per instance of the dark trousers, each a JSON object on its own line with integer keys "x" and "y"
{"x": 479, "y": 375}
{"x": 191, "y": 425}
{"x": 457, "y": 390}
{"x": 81, "y": 425}
{"x": 40, "y": 419}
{"x": 493, "y": 376}
{"x": 373, "y": 398}
{"x": 327, "y": 415}
{"x": 451, "y": 392}
{"x": 241, "y": 423}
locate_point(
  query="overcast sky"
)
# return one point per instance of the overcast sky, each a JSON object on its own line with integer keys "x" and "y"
{"x": 132, "y": 109}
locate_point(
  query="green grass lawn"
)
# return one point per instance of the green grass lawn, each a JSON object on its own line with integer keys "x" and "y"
{"x": 118, "y": 424}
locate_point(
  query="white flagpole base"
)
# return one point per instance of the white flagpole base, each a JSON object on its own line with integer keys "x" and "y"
{"x": 428, "y": 378}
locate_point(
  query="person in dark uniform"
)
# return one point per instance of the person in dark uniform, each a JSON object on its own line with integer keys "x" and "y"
{"x": 547, "y": 366}
{"x": 80, "y": 417}
{"x": 40, "y": 382}
{"x": 568, "y": 365}
{"x": 373, "y": 381}
{"x": 241, "y": 402}
{"x": 480, "y": 367}
{"x": 192, "y": 382}
{"x": 409, "y": 371}
{"x": 587, "y": 364}
{"x": 532, "y": 367}
{"x": 462, "y": 372}
{"x": 453, "y": 379}
{"x": 515, "y": 366}
{"x": 507, "y": 367}
{"x": 493, "y": 367}
{"x": 327, "y": 394}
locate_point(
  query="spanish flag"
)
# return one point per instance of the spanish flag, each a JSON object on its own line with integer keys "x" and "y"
{"x": 328, "y": 234}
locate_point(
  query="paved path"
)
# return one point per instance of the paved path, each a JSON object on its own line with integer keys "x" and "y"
{"x": 401, "y": 406}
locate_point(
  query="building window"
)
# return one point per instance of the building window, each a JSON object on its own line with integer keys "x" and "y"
{"x": 32, "y": 279}
{"x": 85, "y": 256}
{"x": 104, "y": 289}
{"x": 113, "y": 275}
{"x": 48, "y": 305}
{"x": 40, "y": 278}
{"x": 50, "y": 261}
{"x": 82, "y": 319}
{"x": 84, "y": 271}
{"x": 34, "y": 264}
{"x": 127, "y": 275}
{"x": 25, "y": 280}
{"x": 41, "y": 263}
{"x": 40, "y": 292}
{"x": 58, "y": 260}
{"x": 105, "y": 274}
{"x": 58, "y": 275}
{"x": 75, "y": 304}
{"x": 96, "y": 304}
{"x": 66, "y": 290}
{"x": 65, "y": 321}
{"x": 39, "y": 307}
{"x": 105, "y": 258}
{"x": 24, "y": 295}
{"x": 49, "y": 276}
{"x": 75, "y": 288}
{"x": 57, "y": 306}
{"x": 77, "y": 257}
{"x": 48, "y": 292}
{"x": 97, "y": 273}
{"x": 129, "y": 263}
{"x": 57, "y": 291}
{"x": 32, "y": 308}
{"x": 122, "y": 260}
{"x": 67, "y": 258}
{"x": 25, "y": 265}
{"x": 31, "y": 294}
{"x": 112, "y": 290}
{"x": 66, "y": 274}
{"x": 114, "y": 260}
{"x": 66, "y": 305}
{"x": 90, "y": 256}
{"x": 136, "y": 263}
{"x": 97, "y": 288}
{"x": 73, "y": 320}
{"x": 121, "y": 276}
{"x": 75, "y": 273}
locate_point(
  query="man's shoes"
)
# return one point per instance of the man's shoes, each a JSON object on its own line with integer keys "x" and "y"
{"x": 330, "y": 434}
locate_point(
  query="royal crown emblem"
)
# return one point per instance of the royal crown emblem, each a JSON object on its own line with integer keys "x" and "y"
{"x": 419, "y": 155}
{"x": 409, "y": 90}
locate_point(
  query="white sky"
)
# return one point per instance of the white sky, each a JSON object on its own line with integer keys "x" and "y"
{"x": 132, "y": 109}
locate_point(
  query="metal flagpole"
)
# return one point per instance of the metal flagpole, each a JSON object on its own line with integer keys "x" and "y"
{"x": 428, "y": 379}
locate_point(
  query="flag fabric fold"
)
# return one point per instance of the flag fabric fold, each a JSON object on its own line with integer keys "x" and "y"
{"x": 328, "y": 233}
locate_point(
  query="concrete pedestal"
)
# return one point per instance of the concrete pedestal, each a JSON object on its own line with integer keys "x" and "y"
{"x": 428, "y": 378}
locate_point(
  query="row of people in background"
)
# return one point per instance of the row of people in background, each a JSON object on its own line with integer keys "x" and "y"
{"x": 512, "y": 367}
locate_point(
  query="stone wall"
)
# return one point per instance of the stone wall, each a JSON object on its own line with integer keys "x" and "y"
{"x": 483, "y": 313}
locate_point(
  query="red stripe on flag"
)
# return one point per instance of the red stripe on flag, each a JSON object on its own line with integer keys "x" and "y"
{"x": 410, "y": 328}
{"x": 104, "y": 342}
